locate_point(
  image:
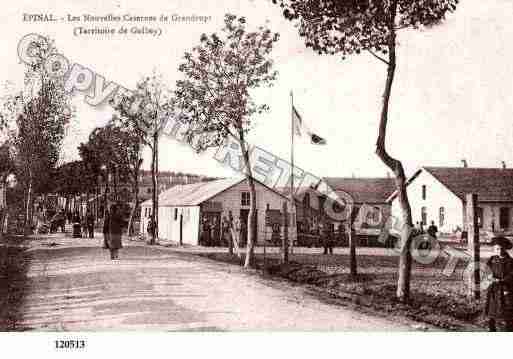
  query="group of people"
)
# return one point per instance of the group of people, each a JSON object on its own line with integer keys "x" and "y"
{"x": 87, "y": 223}
{"x": 432, "y": 230}
{"x": 113, "y": 224}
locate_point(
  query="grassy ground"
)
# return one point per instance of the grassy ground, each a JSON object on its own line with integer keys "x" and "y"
{"x": 13, "y": 270}
{"x": 436, "y": 299}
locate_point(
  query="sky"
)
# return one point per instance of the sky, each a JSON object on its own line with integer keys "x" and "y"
{"x": 452, "y": 95}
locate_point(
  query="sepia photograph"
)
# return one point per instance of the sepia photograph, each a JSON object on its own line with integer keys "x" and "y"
{"x": 255, "y": 166}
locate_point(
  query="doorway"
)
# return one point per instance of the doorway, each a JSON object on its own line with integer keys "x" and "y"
{"x": 211, "y": 229}
{"x": 504, "y": 217}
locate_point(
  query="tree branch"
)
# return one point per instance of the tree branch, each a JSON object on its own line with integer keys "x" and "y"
{"x": 378, "y": 57}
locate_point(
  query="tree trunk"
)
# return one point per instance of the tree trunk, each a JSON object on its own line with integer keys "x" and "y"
{"x": 403, "y": 282}
{"x": 252, "y": 224}
{"x": 131, "y": 219}
{"x": 116, "y": 183}
{"x": 28, "y": 219}
{"x": 3, "y": 205}
{"x": 97, "y": 203}
{"x": 156, "y": 144}
{"x": 136, "y": 205}
{"x": 352, "y": 249}
{"x": 154, "y": 180}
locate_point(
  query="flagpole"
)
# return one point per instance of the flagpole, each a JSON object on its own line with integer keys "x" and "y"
{"x": 292, "y": 161}
{"x": 292, "y": 145}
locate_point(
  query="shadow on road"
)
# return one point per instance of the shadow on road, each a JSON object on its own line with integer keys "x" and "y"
{"x": 14, "y": 263}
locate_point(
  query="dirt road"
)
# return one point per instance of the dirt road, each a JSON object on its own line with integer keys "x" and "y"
{"x": 74, "y": 286}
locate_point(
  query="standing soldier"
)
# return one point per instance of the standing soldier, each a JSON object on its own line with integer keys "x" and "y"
{"x": 432, "y": 230}
{"x": 90, "y": 224}
{"x": 150, "y": 227}
{"x": 225, "y": 232}
{"x": 328, "y": 240}
{"x": 205, "y": 232}
{"x": 499, "y": 298}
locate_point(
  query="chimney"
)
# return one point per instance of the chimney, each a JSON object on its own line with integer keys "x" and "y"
{"x": 503, "y": 165}
{"x": 465, "y": 164}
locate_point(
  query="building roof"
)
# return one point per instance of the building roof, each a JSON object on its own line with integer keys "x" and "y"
{"x": 363, "y": 190}
{"x": 490, "y": 184}
{"x": 194, "y": 194}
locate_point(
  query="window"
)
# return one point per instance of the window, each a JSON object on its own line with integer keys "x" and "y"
{"x": 148, "y": 190}
{"x": 423, "y": 191}
{"x": 373, "y": 216}
{"x": 176, "y": 214}
{"x": 441, "y": 217}
{"x": 423, "y": 214}
{"x": 504, "y": 218}
{"x": 244, "y": 199}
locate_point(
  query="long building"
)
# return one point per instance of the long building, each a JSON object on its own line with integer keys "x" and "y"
{"x": 192, "y": 213}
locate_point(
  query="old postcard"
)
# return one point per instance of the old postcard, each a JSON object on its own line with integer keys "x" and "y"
{"x": 255, "y": 166}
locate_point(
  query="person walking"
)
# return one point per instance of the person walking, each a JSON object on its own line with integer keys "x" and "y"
{"x": 106, "y": 229}
{"x": 499, "y": 297}
{"x": 116, "y": 224}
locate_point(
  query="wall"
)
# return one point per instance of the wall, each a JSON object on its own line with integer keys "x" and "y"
{"x": 169, "y": 228}
{"x": 437, "y": 195}
{"x": 231, "y": 200}
{"x": 491, "y": 213}
{"x": 311, "y": 214}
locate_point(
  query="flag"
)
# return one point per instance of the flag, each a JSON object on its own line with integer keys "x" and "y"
{"x": 301, "y": 128}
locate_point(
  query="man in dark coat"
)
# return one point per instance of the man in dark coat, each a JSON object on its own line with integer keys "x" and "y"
{"x": 90, "y": 224}
{"x": 106, "y": 229}
{"x": 327, "y": 236}
{"x": 150, "y": 227}
{"x": 116, "y": 224}
{"x": 432, "y": 229}
{"x": 499, "y": 298}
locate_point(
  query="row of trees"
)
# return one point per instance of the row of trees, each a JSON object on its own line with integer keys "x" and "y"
{"x": 112, "y": 153}
{"x": 215, "y": 99}
{"x": 33, "y": 122}
{"x": 214, "y": 96}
